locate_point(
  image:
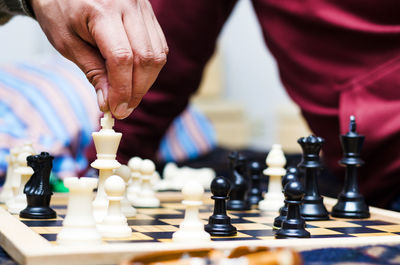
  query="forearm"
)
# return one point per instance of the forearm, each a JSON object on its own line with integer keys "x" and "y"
{"x": 9, "y": 8}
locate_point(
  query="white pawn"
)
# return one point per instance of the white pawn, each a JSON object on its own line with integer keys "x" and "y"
{"x": 115, "y": 223}
{"x": 7, "y": 191}
{"x": 125, "y": 173}
{"x": 136, "y": 183}
{"x": 79, "y": 226}
{"x": 191, "y": 229}
{"x": 276, "y": 162}
{"x": 146, "y": 197}
{"x": 19, "y": 202}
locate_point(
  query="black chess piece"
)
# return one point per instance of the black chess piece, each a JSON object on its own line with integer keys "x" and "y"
{"x": 294, "y": 225}
{"x": 291, "y": 175}
{"x": 255, "y": 192}
{"x": 351, "y": 203}
{"x": 37, "y": 189}
{"x": 238, "y": 195}
{"x": 313, "y": 207}
{"x": 219, "y": 223}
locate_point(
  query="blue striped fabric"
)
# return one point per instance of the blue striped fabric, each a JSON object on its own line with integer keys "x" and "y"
{"x": 53, "y": 105}
{"x": 190, "y": 135}
{"x": 50, "y": 104}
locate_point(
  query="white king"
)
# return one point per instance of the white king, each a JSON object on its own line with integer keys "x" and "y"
{"x": 106, "y": 142}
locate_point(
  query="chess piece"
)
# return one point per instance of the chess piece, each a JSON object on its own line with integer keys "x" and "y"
{"x": 313, "y": 207}
{"x": 291, "y": 175}
{"x": 125, "y": 173}
{"x": 255, "y": 192}
{"x": 79, "y": 226}
{"x": 15, "y": 181}
{"x": 294, "y": 225}
{"x": 351, "y": 203}
{"x": 21, "y": 168}
{"x": 106, "y": 142}
{"x": 275, "y": 170}
{"x": 114, "y": 223}
{"x": 7, "y": 191}
{"x": 219, "y": 224}
{"x": 238, "y": 195}
{"x": 174, "y": 178}
{"x": 191, "y": 229}
{"x": 146, "y": 197}
{"x": 136, "y": 183}
{"x": 37, "y": 189}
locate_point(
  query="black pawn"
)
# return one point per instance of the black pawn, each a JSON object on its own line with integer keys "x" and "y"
{"x": 255, "y": 192}
{"x": 37, "y": 189}
{"x": 351, "y": 203}
{"x": 219, "y": 224}
{"x": 294, "y": 225}
{"x": 238, "y": 195}
{"x": 291, "y": 175}
{"x": 313, "y": 207}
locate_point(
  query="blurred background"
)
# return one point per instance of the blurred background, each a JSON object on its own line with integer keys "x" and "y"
{"x": 241, "y": 92}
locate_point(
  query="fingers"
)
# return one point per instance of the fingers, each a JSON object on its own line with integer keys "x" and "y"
{"x": 110, "y": 37}
{"x": 90, "y": 61}
{"x": 147, "y": 48}
{"x": 118, "y": 44}
{"x": 158, "y": 28}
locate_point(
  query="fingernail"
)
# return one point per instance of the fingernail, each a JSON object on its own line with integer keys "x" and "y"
{"x": 122, "y": 110}
{"x": 100, "y": 99}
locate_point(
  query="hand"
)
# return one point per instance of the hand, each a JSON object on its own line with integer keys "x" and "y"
{"x": 118, "y": 44}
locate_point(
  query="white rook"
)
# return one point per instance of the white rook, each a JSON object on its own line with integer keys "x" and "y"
{"x": 79, "y": 226}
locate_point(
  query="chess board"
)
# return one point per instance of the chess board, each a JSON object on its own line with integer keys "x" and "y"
{"x": 34, "y": 241}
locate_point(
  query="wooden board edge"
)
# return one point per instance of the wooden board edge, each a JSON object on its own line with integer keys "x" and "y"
{"x": 18, "y": 240}
{"x": 115, "y": 253}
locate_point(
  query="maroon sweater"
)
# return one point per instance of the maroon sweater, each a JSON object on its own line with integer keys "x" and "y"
{"x": 336, "y": 58}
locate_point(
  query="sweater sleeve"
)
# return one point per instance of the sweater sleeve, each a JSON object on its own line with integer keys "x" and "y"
{"x": 9, "y": 8}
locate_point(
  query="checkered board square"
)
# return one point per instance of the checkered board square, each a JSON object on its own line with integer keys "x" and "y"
{"x": 158, "y": 225}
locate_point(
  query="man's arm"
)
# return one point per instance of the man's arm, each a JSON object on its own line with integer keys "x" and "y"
{"x": 118, "y": 44}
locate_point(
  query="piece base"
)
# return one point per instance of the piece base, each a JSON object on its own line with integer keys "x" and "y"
{"x": 314, "y": 210}
{"x": 38, "y": 213}
{"x": 220, "y": 229}
{"x": 292, "y": 233}
{"x": 114, "y": 231}
{"x": 237, "y": 205}
{"x": 188, "y": 236}
{"x": 350, "y": 215}
{"x": 354, "y": 208}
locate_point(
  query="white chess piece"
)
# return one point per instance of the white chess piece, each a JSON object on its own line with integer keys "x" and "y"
{"x": 146, "y": 197}
{"x": 125, "y": 173}
{"x": 171, "y": 175}
{"x": 191, "y": 229}
{"x": 155, "y": 179}
{"x": 25, "y": 172}
{"x": 7, "y": 191}
{"x": 136, "y": 183}
{"x": 79, "y": 226}
{"x": 106, "y": 142}
{"x": 174, "y": 178}
{"x": 115, "y": 223}
{"x": 275, "y": 161}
